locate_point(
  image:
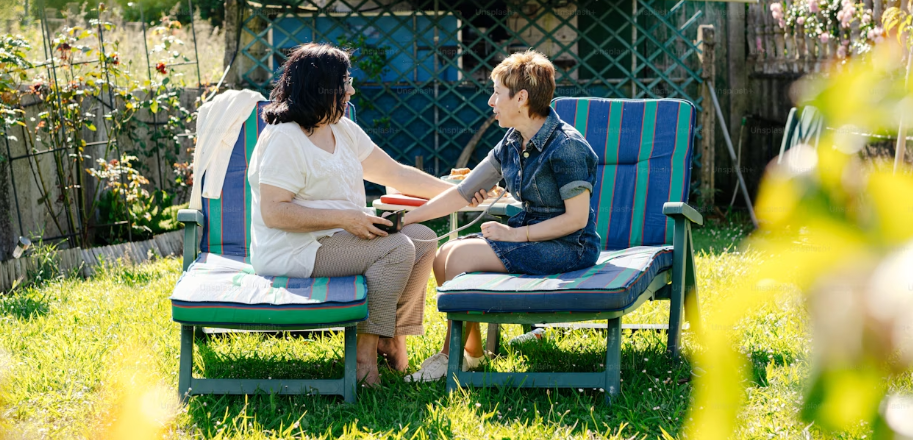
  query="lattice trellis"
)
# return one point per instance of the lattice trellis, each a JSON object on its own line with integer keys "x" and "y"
{"x": 434, "y": 92}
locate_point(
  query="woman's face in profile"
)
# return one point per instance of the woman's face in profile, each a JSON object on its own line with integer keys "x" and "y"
{"x": 506, "y": 109}
{"x": 350, "y": 87}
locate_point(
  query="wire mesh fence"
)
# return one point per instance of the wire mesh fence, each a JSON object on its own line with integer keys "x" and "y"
{"x": 83, "y": 127}
{"x": 422, "y": 66}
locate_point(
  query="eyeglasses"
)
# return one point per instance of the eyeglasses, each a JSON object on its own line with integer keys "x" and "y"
{"x": 348, "y": 81}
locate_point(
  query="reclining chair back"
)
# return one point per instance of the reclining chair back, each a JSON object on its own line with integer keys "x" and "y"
{"x": 641, "y": 165}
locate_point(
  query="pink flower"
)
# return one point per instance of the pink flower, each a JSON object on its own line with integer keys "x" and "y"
{"x": 841, "y": 52}
{"x": 800, "y": 20}
{"x": 813, "y": 6}
{"x": 776, "y": 11}
{"x": 876, "y": 34}
{"x": 824, "y": 37}
{"x": 782, "y": 23}
{"x": 845, "y": 16}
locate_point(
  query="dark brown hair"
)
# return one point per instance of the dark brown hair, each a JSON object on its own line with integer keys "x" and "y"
{"x": 312, "y": 89}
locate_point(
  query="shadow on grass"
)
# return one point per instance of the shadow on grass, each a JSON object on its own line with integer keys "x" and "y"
{"x": 214, "y": 365}
{"x": 654, "y": 396}
{"x": 761, "y": 359}
{"x": 23, "y": 305}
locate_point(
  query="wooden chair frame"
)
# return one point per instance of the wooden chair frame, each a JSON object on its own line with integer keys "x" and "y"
{"x": 677, "y": 285}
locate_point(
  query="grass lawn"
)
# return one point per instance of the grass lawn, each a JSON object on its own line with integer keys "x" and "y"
{"x": 74, "y": 349}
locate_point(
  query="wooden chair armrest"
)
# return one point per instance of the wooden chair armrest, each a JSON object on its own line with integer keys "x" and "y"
{"x": 682, "y": 210}
{"x": 192, "y": 220}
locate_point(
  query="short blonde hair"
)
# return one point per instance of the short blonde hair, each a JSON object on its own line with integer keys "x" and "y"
{"x": 531, "y": 71}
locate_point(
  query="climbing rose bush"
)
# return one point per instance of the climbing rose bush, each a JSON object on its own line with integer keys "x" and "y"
{"x": 826, "y": 20}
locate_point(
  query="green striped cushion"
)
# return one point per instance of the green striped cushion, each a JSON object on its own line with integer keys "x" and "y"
{"x": 223, "y": 290}
{"x": 614, "y": 283}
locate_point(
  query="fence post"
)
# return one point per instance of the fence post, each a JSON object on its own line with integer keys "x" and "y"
{"x": 233, "y": 13}
{"x": 738, "y": 66}
{"x": 705, "y": 34}
{"x": 6, "y": 214}
{"x": 751, "y": 36}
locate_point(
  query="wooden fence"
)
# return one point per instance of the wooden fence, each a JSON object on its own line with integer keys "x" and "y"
{"x": 86, "y": 261}
{"x": 773, "y": 50}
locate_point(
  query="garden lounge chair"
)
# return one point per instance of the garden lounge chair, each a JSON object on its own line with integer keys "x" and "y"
{"x": 220, "y": 289}
{"x": 803, "y": 129}
{"x": 642, "y": 180}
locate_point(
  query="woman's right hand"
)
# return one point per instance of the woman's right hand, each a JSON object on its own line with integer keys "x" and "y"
{"x": 478, "y": 198}
{"x": 361, "y": 224}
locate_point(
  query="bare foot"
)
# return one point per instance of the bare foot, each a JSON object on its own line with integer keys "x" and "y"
{"x": 395, "y": 352}
{"x": 386, "y": 346}
{"x": 367, "y": 374}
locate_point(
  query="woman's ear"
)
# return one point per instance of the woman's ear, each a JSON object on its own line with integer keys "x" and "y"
{"x": 522, "y": 99}
{"x": 522, "y": 96}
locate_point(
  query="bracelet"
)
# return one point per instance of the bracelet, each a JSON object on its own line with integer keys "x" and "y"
{"x": 527, "y": 232}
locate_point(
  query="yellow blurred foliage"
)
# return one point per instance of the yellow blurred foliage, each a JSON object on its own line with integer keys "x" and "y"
{"x": 828, "y": 222}
{"x": 141, "y": 405}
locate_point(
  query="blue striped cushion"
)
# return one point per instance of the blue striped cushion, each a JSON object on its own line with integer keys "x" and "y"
{"x": 644, "y": 148}
{"x": 616, "y": 282}
{"x": 224, "y": 290}
{"x": 226, "y": 229}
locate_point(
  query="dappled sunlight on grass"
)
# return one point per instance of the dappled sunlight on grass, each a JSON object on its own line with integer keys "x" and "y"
{"x": 67, "y": 342}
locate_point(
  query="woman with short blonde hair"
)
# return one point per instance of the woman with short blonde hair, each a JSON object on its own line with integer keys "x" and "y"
{"x": 547, "y": 165}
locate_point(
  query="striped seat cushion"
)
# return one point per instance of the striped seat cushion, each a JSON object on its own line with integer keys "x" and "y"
{"x": 223, "y": 290}
{"x": 644, "y": 148}
{"x": 614, "y": 283}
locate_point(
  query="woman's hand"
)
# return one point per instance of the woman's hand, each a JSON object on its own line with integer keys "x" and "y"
{"x": 500, "y": 232}
{"x": 478, "y": 198}
{"x": 361, "y": 225}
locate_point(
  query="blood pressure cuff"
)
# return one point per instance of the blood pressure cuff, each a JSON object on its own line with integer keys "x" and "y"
{"x": 484, "y": 176}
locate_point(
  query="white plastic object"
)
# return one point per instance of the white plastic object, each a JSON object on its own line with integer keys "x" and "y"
{"x": 536, "y": 334}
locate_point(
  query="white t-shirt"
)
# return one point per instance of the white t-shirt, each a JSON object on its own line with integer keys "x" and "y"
{"x": 284, "y": 157}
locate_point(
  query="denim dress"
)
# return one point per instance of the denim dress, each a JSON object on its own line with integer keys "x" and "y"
{"x": 558, "y": 164}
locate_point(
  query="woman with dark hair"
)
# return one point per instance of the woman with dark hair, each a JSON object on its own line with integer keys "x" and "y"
{"x": 309, "y": 208}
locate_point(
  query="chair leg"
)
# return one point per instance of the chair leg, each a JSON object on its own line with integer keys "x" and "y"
{"x": 455, "y": 362}
{"x": 692, "y": 304}
{"x": 675, "y": 323}
{"x": 613, "y": 360}
{"x": 185, "y": 371}
{"x": 350, "y": 382}
{"x": 678, "y": 287}
{"x": 494, "y": 338}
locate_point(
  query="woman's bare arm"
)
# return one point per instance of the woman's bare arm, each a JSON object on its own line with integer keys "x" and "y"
{"x": 448, "y": 202}
{"x": 380, "y": 168}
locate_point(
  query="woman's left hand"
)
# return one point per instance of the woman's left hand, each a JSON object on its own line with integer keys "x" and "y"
{"x": 500, "y": 232}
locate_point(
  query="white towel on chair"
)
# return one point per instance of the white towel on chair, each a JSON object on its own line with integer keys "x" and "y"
{"x": 218, "y": 125}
